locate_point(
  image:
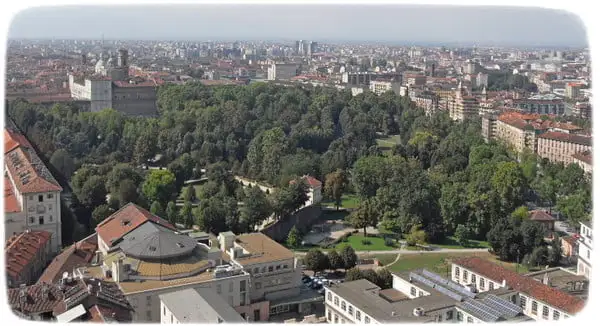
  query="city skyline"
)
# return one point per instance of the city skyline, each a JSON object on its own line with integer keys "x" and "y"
{"x": 401, "y": 24}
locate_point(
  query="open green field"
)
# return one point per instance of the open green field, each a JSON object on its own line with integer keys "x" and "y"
{"x": 386, "y": 144}
{"x": 441, "y": 263}
{"x": 452, "y": 243}
{"x": 349, "y": 201}
{"x": 384, "y": 259}
{"x": 356, "y": 242}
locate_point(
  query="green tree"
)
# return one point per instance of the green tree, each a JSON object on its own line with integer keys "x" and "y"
{"x": 349, "y": 257}
{"x": 335, "y": 260}
{"x": 521, "y": 213}
{"x": 555, "y": 252}
{"x": 157, "y": 209}
{"x": 159, "y": 185}
{"x": 384, "y": 278}
{"x": 93, "y": 192}
{"x": 364, "y": 216}
{"x": 189, "y": 193}
{"x": 335, "y": 185}
{"x": 462, "y": 235}
{"x": 62, "y": 161}
{"x": 101, "y": 212}
{"x": 416, "y": 236}
{"x": 256, "y": 207}
{"x": 539, "y": 256}
{"x": 315, "y": 260}
{"x": 172, "y": 212}
{"x": 454, "y": 205}
{"x": 574, "y": 206}
{"x": 118, "y": 174}
{"x": 127, "y": 192}
{"x": 370, "y": 275}
{"x": 145, "y": 147}
{"x": 293, "y": 238}
{"x": 510, "y": 184}
{"x": 185, "y": 215}
{"x": 353, "y": 274}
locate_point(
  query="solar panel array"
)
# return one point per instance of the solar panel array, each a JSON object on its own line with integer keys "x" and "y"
{"x": 507, "y": 308}
{"x": 482, "y": 311}
{"x": 449, "y": 293}
{"x": 421, "y": 279}
{"x": 462, "y": 291}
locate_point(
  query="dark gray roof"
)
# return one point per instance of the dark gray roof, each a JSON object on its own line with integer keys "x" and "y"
{"x": 201, "y": 305}
{"x": 152, "y": 241}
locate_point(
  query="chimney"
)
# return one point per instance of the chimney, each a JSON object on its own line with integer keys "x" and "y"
{"x": 503, "y": 283}
{"x": 44, "y": 291}
{"x": 545, "y": 280}
{"x": 22, "y": 297}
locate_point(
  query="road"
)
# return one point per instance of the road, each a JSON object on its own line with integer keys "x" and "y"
{"x": 405, "y": 251}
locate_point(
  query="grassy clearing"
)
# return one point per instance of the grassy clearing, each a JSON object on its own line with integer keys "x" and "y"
{"x": 387, "y": 143}
{"x": 196, "y": 188}
{"x": 441, "y": 263}
{"x": 384, "y": 259}
{"x": 452, "y": 243}
{"x": 355, "y": 241}
{"x": 349, "y": 201}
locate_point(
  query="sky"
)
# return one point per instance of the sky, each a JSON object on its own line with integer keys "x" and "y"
{"x": 404, "y": 25}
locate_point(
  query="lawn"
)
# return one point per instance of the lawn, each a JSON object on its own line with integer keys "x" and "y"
{"x": 350, "y": 201}
{"x": 384, "y": 259}
{"x": 452, "y": 243}
{"x": 196, "y": 188}
{"x": 356, "y": 242}
{"x": 387, "y": 143}
{"x": 441, "y": 263}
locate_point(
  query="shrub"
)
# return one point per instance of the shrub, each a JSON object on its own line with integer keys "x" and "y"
{"x": 389, "y": 242}
{"x": 366, "y": 241}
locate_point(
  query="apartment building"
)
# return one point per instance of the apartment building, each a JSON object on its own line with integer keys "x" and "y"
{"x": 464, "y": 106}
{"x": 582, "y": 110}
{"x": 538, "y": 300}
{"x": 26, "y": 256}
{"x": 541, "y": 104}
{"x": 146, "y": 257}
{"x": 202, "y": 306}
{"x": 31, "y": 194}
{"x": 429, "y": 102}
{"x": 489, "y": 121}
{"x": 584, "y": 160}
{"x": 514, "y": 130}
{"x": 81, "y": 253}
{"x": 573, "y": 90}
{"x": 560, "y": 147}
{"x": 586, "y": 246}
{"x": 419, "y": 296}
{"x": 358, "y": 78}
{"x": 275, "y": 275}
{"x": 282, "y": 71}
{"x": 380, "y": 86}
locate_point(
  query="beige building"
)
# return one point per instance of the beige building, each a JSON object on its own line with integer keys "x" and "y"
{"x": 560, "y": 146}
{"x": 282, "y": 71}
{"x": 572, "y": 90}
{"x": 584, "y": 160}
{"x": 31, "y": 194}
{"x": 464, "y": 106}
{"x": 381, "y": 86}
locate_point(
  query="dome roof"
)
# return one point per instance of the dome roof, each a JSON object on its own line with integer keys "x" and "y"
{"x": 151, "y": 241}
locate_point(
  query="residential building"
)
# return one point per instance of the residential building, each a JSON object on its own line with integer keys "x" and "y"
{"x": 73, "y": 299}
{"x": 201, "y": 306}
{"x": 572, "y": 90}
{"x": 464, "y": 106}
{"x": 584, "y": 160}
{"x": 482, "y": 80}
{"x": 26, "y": 256}
{"x": 538, "y": 300}
{"x": 282, "y": 71}
{"x": 582, "y": 110}
{"x": 79, "y": 254}
{"x": 314, "y": 193}
{"x": 412, "y": 79}
{"x": 488, "y": 126}
{"x": 541, "y": 104}
{"x": 564, "y": 280}
{"x": 426, "y": 101}
{"x": 31, "y": 194}
{"x": 358, "y": 78}
{"x": 586, "y": 245}
{"x": 146, "y": 257}
{"x": 419, "y": 296}
{"x": 274, "y": 275}
{"x": 380, "y": 86}
{"x": 545, "y": 219}
{"x": 560, "y": 146}
{"x": 569, "y": 245}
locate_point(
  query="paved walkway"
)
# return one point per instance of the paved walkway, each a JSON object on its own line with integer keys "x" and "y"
{"x": 405, "y": 251}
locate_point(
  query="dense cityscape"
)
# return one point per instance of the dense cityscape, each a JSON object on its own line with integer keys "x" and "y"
{"x": 296, "y": 182}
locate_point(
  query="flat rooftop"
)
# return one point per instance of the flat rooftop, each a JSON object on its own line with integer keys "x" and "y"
{"x": 261, "y": 249}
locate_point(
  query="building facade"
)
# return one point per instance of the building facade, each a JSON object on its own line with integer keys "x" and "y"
{"x": 559, "y": 147}
{"x": 586, "y": 246}
{"x": 282, "y": 71}
{"x": 26, "y": 256}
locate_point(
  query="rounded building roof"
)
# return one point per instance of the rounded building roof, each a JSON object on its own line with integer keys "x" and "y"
{"x": 151, "y": 241}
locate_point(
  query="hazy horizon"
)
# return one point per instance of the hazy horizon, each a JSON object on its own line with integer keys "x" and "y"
{"x": 336, "y": 23}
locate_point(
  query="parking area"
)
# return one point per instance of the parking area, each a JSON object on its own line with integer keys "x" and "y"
{"x": 317, "y": 281}
{"x": 321, "y": 234}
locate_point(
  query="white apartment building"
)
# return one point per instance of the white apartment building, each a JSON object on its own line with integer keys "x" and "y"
{"x": 381, "y": 86}
{"x": 584, "y": 258}
{"x": 538, "y": 301}
{"x": 282, "y": 71}
{"x": 419, "y": 296}
{"x": 31, "y": 194}
{"x": 97, "y": 90}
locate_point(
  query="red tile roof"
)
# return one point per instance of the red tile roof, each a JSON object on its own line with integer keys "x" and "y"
{"x": 539, "y": 215}
{"x": 14, "y": 139}
{"x": 569, "y": 138}
{"x": 78, "y": 255}
{"x": 584, "y": 157}
{"x": 125, "y": 220}
{"x": 312, "y": 182}
{"x": 11, "y": 204}
{"x": 524, "y": 284}
{"x": 22, "y": 249}
{"x": 34, "y": 302}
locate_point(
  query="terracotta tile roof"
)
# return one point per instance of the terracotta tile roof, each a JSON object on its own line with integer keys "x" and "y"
{"x": 584, "y": 157}
{"x": 570, "y": 239}
{"x": 78, "y": 255}
{"x": 34, "y": 301}
{"x": 569, "y": 138}
{"x": 539, "y": 215}
{"x": 125, "y": 220}
{"x": 527, "y": 285}
{"x": 22, "y": 249}
{"x": 311, "y": 181}
{"x": 14, "y": 139}
{"x": 11, "y": 204}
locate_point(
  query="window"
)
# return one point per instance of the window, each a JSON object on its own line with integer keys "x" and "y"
{"x": 545, "y": 312}
{"x": 219, "y": 320}
{"x": 255, "y": 270}
{"x": 358, "y": 317}
{"x": 350, "y": 310}
{"x": 219, "y": 288}
{"x": 270, "y": 268}
{"x": 148, "y": 300}
{"x": 164, "y": 311}
{"x": 337, "y": 318}
{"x": 243, "y": 286}
{"x": 50, "y": 196}
{"x": 465, "y": 276}
{"x": 473, "y": 279}
{"x": 171, "y": 319}
{"x": 367, "y": 320}
{"x": 50, "y": 218}
{"x": 534, "y": 307}
{"x": 470, "y": 319}
{"x": 41, "y": 220}
{"x": 328, "y": 315}
{"x": 588, "y": 254}
{"x": 336, "y": 301}
{"x": 491, "y": 286}
{"x": 257, "y": 285}
{"x": 556, "y": 315}
{"x": 285, "y": 266}
{"x": 344, "y": 305}
{"x": 264, "y": 269}
{"x": 449, "y": 314}
{"x": 513, "y": 299}
{"x": 278, "y": 267}
{"x": 230, "y": 286}
{"x": 31, "y": 220}
{"x": 50, "y": 207}
{"x": 30, "y": 197}
{"x": 149, "y": 315}
{"x": 413, "y": 291}
{"x": 459, "y": 316}
{"x": 523, "y": 301}
{"x": 41, "y": 198}
{"x": 329, "y": 296}
{"x": 457, "y": 271}
{"x": 420, "y": 293}
{"x": 481, "y": 283}
{"x": 242, "y": 298}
